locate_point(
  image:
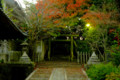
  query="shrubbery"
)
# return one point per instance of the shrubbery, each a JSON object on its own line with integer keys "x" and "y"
{"x": 113, "y": 76}
{"x": 115, "y": 53}
{"x": 99, "y": 71}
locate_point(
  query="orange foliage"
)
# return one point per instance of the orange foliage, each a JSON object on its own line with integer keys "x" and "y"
{"x": 56, "y": 21}
{"x": 98, "y": 18}
{"x": 61, "y": 8}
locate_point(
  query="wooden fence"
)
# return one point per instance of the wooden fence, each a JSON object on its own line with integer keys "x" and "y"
{"x": 83, "y": 57}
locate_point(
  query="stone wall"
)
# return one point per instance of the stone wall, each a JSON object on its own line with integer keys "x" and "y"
{"x": 14, "y": 56}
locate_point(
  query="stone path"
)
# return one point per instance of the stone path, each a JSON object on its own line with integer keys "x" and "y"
{"x": 40, "y": 74}
{"x": 58, "y": 74}
{"x": 76, "y": 74}
{"x": 58, "y": 71}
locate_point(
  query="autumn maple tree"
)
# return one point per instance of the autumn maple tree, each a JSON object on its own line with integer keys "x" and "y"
{"x": 62, "y": 9}
{"x": 49, "y": 17}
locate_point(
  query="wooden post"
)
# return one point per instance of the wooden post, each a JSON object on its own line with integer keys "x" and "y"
{"x": 105, "y": 57}
{"x": 99, "y": 56}
{"x": 78, "y": 57}
{"x": 86, "y": 57}
{"x": 81, "y": 57}
{"x": 72, "y": 48}
{"x": 49, "y": 51}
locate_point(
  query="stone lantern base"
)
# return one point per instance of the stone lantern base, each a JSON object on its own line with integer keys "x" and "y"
{"x": 25, "y": 58}
{"x": 93, "y": 59}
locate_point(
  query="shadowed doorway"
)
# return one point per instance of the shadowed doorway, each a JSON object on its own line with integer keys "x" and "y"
{"x": 60, "y": 51}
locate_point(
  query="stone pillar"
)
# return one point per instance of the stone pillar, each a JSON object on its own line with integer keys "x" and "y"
{"x": 4, "y": 51}
{"x": 5, "y": 47}
{"x": 40, "y": 50}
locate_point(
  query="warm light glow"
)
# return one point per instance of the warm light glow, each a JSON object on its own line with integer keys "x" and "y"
{"x": 87, "y": 25}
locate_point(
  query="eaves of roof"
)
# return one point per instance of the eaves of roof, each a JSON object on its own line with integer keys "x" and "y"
{"x": 8, "y": 30}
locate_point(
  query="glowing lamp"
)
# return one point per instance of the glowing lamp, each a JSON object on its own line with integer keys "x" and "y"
{"x": 87, "y": 25}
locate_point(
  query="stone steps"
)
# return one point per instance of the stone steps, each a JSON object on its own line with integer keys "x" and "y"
{"x": 58, "y": 71}
{"x": 57, "y": 64}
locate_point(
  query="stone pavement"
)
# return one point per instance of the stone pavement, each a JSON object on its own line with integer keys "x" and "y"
{"x": 56, "y": 70}
{"x": 58, "y": 74}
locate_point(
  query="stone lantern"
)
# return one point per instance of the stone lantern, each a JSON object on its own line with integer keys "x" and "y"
{"x": 93, "y": 59}
{"x": 24, "y": 46}
{"x": 24, "y": 58}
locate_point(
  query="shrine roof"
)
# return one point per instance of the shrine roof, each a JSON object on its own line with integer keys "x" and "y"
{"x": 8, "y": 30}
